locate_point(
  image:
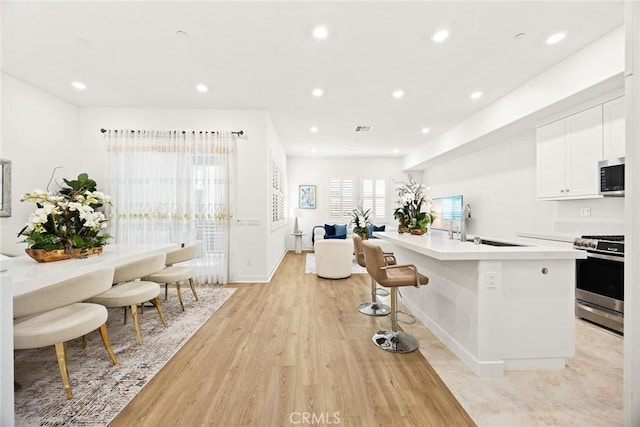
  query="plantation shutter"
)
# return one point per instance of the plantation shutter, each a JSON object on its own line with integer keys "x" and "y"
{"x": 374, "y": 197}
{"x": 340, "y": 197}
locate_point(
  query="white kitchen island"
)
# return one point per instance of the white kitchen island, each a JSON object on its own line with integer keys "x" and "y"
{"x": 496, "y": 308}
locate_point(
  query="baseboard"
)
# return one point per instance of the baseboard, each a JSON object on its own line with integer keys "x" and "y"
{"x": 480, "y": 368}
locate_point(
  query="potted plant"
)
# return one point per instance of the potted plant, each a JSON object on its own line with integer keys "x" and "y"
{"x": 68, "y": 223}
{"x": 361, "y": 220}
{"x": 409, "y": 213}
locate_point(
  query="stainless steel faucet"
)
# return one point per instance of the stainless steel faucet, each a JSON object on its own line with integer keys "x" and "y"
{"x": 466, "y": 214}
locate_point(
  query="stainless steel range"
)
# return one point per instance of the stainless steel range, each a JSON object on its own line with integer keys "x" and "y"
{"x": 600, "y": 280}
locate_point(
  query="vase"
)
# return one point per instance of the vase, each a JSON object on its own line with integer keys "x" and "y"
{"x": 44, "y": 255}
{"x": 418, "y": 231}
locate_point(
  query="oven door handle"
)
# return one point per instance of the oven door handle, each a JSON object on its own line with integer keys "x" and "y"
{"x": 605, "y": 257}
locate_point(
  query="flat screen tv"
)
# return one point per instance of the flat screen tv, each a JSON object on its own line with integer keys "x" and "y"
{"x": 447, "y": 209}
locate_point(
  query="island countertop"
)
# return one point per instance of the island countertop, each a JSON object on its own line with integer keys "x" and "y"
{"x": 436, "y": 244}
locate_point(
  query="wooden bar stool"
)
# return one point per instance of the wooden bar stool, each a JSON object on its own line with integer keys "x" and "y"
{"x": 373, "y": 308}
{"x": 392, "y": 276}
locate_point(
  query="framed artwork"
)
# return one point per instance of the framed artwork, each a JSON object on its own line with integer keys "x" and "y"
{"x": 307, "y": 196}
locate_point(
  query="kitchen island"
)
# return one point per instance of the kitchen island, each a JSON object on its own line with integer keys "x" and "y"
{"x": 498, "y": 305}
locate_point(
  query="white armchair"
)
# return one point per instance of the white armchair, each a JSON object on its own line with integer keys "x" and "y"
{"x": 334, "y": 258}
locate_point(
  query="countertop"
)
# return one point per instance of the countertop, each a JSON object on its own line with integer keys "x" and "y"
{"x": 436, "y": 244}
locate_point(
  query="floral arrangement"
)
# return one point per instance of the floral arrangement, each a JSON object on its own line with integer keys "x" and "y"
{"x": 68, "y": 219}
{"x": 361, "y": 219}
{"x": 410, "y": 212}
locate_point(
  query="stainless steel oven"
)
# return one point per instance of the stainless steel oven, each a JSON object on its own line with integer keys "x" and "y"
{"x": 600, "y": 281}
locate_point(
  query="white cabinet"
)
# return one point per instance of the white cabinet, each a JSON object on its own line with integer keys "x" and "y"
{"x": 613, "y": 141}
{"x": 568, "y": 151}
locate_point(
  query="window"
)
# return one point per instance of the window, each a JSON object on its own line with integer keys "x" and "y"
{"x": 340, "y": 197}
{"x": 374, "y": 198}
{"x": 278, "y": 184}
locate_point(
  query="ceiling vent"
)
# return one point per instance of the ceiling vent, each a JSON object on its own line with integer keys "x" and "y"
{"x": 363, "y": 128}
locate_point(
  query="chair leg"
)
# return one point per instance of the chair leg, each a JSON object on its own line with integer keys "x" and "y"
{"x": 125, "y": 315}
{"x": 179, "y": 295}
{"x": 193, "y": 288}
{"x": 156, "y": 301}
{"x": 394, "y": 310}
{"x": 62, "y": 364}
{"x": 166, "y": 291}
{"x": 136, "y": 324}
{"x": 373, "y": 308}
{"x": 84, "y": 341}
{"x": 107, "y": 343}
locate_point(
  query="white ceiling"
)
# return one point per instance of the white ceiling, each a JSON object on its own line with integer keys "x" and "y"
{"x": 261, "y": 55}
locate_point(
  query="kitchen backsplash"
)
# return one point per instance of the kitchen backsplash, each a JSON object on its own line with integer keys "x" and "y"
{"x": 591, "y": 216}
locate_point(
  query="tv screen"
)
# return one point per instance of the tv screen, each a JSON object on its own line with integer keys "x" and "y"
{"x": 446, "y": 209}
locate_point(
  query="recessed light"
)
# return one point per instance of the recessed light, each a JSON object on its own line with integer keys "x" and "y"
{"x": 399, "y": 93}
{"x": 476, "y": 95}
{"x": 317, "y": 92}
{"x": 201, "y": 88}
{"x": 182, "y": 34}
{"x": 321, "y": 32}
{"x": 313, "y": 150}
{"x": 396, "y": 151}
{"x": 520, "y": 36}
{"x": 314, "y": 129}
{"x": 440, "y": 36}
{"x": 425, "y": 130}
{"x": 556, "y": 37}
{"x": 79, "y": 85}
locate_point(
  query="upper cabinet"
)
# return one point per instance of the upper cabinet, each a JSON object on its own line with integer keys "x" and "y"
{"x": 614, "y": 128}
{"x": 568, "y": 151}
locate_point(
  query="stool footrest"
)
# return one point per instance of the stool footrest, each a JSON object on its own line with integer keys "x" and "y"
{"x": 382, "y": 292}
{"x": 411, "y": 321}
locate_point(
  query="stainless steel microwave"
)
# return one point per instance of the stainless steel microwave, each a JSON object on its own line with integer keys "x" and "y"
{"x": 612, "y": 177}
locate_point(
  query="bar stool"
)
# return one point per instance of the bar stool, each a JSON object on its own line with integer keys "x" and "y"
{"x": 373, "y": 308}
{"x": 392, "y": 276}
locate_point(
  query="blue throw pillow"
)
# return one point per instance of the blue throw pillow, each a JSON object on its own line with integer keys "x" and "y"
{"x": 370, "y": 231}
{"x": 341, "y": 230}
{"x": 329, "y": 230}
{"x": 373, "y": 228}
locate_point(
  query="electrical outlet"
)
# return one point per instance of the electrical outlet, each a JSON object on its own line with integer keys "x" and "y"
{"x": 248, "y": 261}
{"x": 491, "y": 279}
{"x": 585, "y": 211}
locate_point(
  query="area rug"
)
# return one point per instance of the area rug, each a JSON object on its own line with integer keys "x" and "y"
{"x": 310, "y": 265}
{"x": 100, "y": 389}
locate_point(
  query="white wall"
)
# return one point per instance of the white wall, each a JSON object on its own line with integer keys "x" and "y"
{"x": 499, "y": 182}
{"x": 318, "y": 171}
{"x": 39, "y": 132}
{"x": 579, "y": 77}
{"x": 276, "y": 238}
{"x": 252, "y": 248}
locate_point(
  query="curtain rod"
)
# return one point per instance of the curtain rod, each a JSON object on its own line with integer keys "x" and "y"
{"x": 237, "y": 133}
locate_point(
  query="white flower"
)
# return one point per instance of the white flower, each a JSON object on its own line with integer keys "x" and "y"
{"x": 408, "y": 198}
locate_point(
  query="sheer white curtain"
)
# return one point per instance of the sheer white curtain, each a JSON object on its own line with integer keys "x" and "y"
{"x": 173, "y": 186}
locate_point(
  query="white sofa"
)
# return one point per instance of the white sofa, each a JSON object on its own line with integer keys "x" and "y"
{"x": 334, "y": 258}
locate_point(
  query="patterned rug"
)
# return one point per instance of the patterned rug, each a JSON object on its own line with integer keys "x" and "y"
{"x": 100, "y": 389}
{"x": 310, "y": 265}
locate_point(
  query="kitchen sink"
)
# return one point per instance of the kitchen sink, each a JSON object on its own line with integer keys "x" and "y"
{"x": 495, "y": 243}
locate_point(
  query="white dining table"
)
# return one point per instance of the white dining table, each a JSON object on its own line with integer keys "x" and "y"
{"x": 23, "y": 274}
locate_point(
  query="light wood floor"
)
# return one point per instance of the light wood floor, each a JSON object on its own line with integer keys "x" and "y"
{"x": 293, "y": 348}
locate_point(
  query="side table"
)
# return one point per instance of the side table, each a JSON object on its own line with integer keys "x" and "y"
{"x": 298, "y": 237}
